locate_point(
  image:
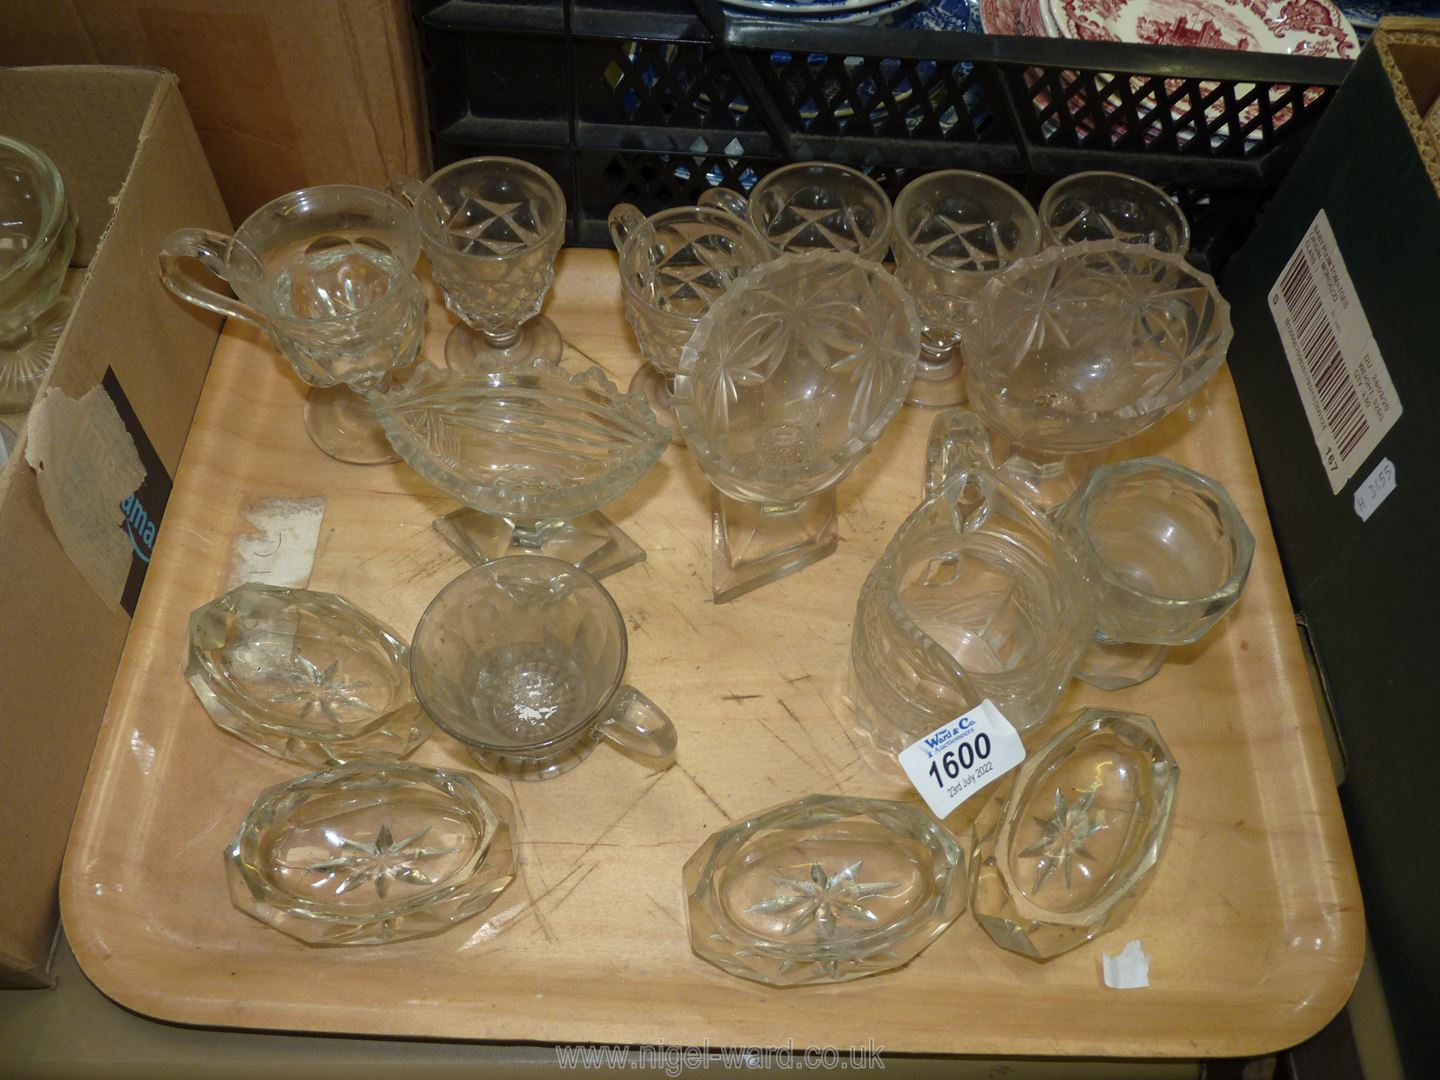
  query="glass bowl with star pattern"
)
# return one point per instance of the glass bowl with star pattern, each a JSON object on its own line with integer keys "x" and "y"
{"x": 1078, "y": 348}
{"x": 823, "y": 889}
{"x": 1062, "y": 853}
{"x": 1113, "y": 206}
{"x": 305, "y": 676}
{"x": 370, "y": 853}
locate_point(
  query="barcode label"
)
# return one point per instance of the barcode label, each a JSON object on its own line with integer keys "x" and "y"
{"x": 1343, "y": 382}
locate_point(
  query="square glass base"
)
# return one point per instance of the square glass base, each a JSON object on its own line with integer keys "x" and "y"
{"x": 592, "y": 542}
{"x": 753, "y": 545}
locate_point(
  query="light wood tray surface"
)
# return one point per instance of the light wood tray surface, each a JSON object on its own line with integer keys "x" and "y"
{"x": 1252, "y": 919}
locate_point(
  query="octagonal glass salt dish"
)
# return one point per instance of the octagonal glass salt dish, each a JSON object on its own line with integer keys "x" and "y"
{"x": 532, "y": 453}
{"x": 824, "y": 889}
{"x": 305, "y": 676}
{"x": 786, "y": 384}
{"x": 1061, "y": 854}
{"x": 370, "y": 853}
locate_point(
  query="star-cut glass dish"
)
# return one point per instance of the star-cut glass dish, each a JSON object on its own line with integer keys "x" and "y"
{"x": 305, "y": 676}
{"x": 823, "y": 889}
{"x": 369, "y": 853}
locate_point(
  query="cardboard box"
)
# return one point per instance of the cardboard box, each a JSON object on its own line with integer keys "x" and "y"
{"x": 135, "y": 356}
{"x": 1356, "y": 507}
{"x": 283, "y": 94}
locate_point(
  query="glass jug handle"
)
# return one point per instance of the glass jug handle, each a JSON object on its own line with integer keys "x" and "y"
{"x": 731, "y": 202}
{"x": 405, "y": 188}
{"x": 637, "y": 724}
{"x": 624, "y": 220}
{"x": 212, "y": 250}
{"x": 958, "y": 442}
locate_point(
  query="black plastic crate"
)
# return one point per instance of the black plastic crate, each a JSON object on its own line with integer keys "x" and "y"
{"x": 652, "y": 101}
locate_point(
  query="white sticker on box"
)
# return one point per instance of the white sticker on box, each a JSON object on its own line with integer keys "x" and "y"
{"x": 1375, "y": 489}
{"x": 1342, "y": 378}
{"x": 959, "y": 758}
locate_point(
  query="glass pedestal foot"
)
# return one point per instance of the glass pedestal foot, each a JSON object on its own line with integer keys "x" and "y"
{"x": 753, "y": 545}
{"x": 1114, "y": 665}
{"x": 342, "y": 423}
{"x": 24, "y": 361}
{"x": 592, "y": 542}
{"x": 514, "y": 767}
{"x": 937, "y": 383}
{"x": 537, "y": 342}
{"x": 656, "y": 386}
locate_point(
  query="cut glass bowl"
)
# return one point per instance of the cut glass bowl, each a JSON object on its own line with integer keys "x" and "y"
{"x": 532, "y": 453}
{"x": 305, "y": 676}
{"x": 823, "y": 889}
{"x": 1061, "y": 855}
{"x": 371, "y": 852}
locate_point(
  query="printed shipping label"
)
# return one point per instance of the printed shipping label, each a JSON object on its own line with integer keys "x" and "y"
{"x": 959, "y": 758}
{"x": 1343, "y": 382}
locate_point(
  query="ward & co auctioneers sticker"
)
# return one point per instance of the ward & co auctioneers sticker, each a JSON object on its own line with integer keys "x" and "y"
{"x": 959, "y": 758}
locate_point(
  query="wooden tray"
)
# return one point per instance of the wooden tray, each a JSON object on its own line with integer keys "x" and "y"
{"x": 1253, "y": 919}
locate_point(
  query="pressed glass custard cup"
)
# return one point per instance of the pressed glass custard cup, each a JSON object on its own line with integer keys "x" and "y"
{"x": 1113, "y": 206}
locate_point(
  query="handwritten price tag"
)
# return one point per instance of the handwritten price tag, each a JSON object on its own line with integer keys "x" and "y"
{"x": 959, "y": 758}
{"x": 1375, "y": 489}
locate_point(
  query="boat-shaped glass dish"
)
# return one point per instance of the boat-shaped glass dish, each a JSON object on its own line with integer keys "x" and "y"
{"x": 306, "y": 676}
{"x": 1062, "y": 854}
{"x": 823, "y": 889}
{"x": 370, "y": 853}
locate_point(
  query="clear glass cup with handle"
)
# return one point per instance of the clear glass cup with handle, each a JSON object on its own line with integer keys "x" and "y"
{"x": 673, "y": 266}
{"x": 813, "y": 206}
{"x": 523, "y": 660}
{"x": 954, "y": 230}
{"x": 329, "y": 274}
{"x": 492, "y": 227}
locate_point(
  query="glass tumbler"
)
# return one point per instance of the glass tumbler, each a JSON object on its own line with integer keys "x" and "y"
{"x": 1166, "y": 554}
{"x": 328, "y": 273}
{"x": 522, "y": 660}
{"x": 37, "y": 238}
{"x": 953, "y": 231}
{"x": 492, "y": 227}
{"x": 673, "y": 266}
{"x": 1113, "y": 206}
{"x": 813, "y": 206}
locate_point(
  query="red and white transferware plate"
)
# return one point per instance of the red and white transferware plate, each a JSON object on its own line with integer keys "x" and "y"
{"x": 1017, "y": 18}
{"x": 1301, "y": 27}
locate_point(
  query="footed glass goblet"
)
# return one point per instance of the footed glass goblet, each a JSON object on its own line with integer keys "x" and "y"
{"x": 785, "y": 385}
{"x": 954, "y": 230}
{"x": 1113, "y": 206}
{"x": 673, "y": 266}
{"x": 328, "y": 273}
{"x": 1078, "y": 348}
{"x": 37, "y": 238}
{"x": 813, "y": 206}
{"x": 532, "y": 453}
{"x": 492, "y": 227}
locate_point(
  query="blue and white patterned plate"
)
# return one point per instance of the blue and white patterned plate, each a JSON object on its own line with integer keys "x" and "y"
{"x": 957, "y": 16}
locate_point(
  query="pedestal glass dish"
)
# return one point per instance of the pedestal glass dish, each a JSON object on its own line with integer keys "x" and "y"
{"x": 673, "y": 266}
{"x": 977, "y": 596}
{"x": 1113, "y": 206}
{"x": 813, "y": 206}
{"x": 328, "y": 273}
{"x": 370, "y": 853}
{"x": 953, "y": 231}
{"x": 786, "y": 384}
{"x": 1166, "y": 554}
{"x": 531, "y": 453}
{"x": 492, "y": 227}
{"x": 305, "y": 676}
{"x": 522, "y": 660}
{"x": 1063, "y": 853}
{"x": 823, "y": 889}
{"x": 37, "y": 238}
{"x": 1078, "y": 348}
